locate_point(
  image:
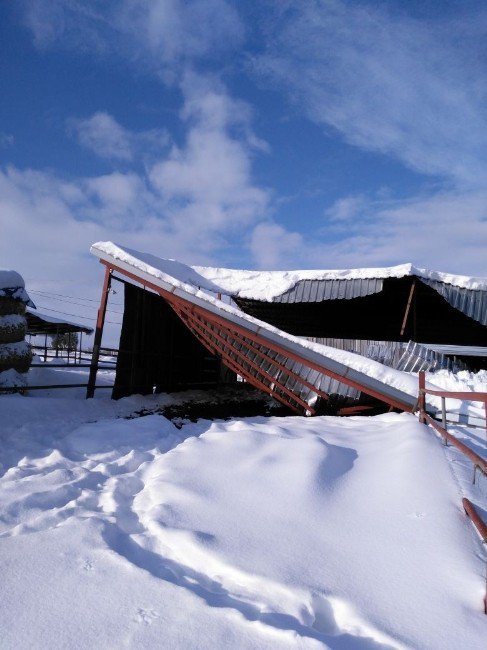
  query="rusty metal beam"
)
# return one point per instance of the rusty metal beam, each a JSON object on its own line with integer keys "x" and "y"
{"x": 481, "y": 527}
{"x": 243, "y": 373}
{"x": 251, "y": 344}
{"x": 100, "y": 321}
{"x": 243, "y": 359}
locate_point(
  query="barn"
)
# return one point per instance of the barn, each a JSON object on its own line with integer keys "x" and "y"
{"x": 404, "y": 317}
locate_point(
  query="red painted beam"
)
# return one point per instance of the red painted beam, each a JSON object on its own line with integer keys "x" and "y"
{"x": 354, "y": 410}
{"x": 240, "y": 371}
{"x": 243, "y": 359}
{"x": 477, "y": 460}
{"x": 256, "y": 367}
{"x": 480, "y": 525}
{"x": 465, "y": 395}
{"x": 251, "y": 344}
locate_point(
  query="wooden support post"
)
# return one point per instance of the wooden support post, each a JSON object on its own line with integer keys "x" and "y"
{"x": 45, "y": 348}
{"x": 100, "y": 321}
{"x": 421, "y": 396}
{"x": 80, "y": 345}
{"x": 408, "y": 308}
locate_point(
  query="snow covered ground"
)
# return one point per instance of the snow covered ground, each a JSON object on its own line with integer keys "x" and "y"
{"x": 291, "y": 532}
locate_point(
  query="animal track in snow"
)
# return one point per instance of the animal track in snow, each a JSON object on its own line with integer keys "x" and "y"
{"x": 146, "y": 616}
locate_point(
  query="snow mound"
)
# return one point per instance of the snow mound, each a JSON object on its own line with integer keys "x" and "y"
{"x": 257, "y": 533}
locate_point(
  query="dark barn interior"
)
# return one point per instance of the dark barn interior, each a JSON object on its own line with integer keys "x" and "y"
{"x": 157, "y": 352}
{"x": 379, "y": 316}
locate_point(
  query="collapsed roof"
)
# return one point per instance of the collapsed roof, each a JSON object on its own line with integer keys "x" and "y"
{"x": 289, "y": 368}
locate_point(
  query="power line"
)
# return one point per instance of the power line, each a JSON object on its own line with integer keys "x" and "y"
{"x": 51, "y": 293}
{"x": 77, "y": 316}
{"x": 71, "y": 302}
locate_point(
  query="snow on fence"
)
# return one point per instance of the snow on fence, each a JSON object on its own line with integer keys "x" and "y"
{"x": 479, "y": 463}
{"x": 80, "y": 359}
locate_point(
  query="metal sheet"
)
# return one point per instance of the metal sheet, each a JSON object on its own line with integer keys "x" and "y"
{"x": 471, "y": 302}
{"x": 319, "y": 290}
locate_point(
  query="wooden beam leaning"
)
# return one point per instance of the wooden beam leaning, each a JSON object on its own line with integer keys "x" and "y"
{"x": 408, "y": 307}
{"x": 100, "y": 321}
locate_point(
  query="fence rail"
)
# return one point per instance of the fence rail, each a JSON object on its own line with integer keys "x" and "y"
{"x": 71, "y": 363}
{"x": 479, "y": 463}
{"x": 26, "y": 389}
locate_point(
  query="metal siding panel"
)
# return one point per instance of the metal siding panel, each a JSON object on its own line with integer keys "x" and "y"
{"x": 471, "y": 302}
{"x": 319, "y": 290}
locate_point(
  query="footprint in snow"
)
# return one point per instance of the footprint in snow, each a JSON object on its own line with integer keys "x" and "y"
{"x": 146, "y": 616}
{"x": 417, "y": 515}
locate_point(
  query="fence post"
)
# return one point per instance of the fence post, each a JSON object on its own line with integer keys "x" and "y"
{"x": 421, "y": 396}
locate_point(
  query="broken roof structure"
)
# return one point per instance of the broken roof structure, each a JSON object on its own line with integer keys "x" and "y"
{"x": 257, "y": 337}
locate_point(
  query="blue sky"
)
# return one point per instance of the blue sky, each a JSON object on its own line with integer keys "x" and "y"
{"x": 326, "y": 134}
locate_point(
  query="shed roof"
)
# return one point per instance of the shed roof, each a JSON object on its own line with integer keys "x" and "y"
{"x": 38, "y": 323}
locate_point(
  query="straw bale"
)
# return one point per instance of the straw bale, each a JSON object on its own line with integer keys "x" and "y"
{"x": 11, "y": 306}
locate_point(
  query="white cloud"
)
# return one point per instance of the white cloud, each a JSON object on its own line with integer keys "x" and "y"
{"x": 76, "y": 23}
{"x": 159, "y": 32}
{"x": 446, "y": 231}
{"x": 6, "y": 140}
{"x": 48, "y": 226}
{"x": 415, "y": 90}
{"x": 274, "y": 247}
{"x": 347, "y": 208}
{"x": 210, "y": 178}
{"x": 103, "y": 135}
{"x": 190, "y": 205}
{"x": 182, "y": 29}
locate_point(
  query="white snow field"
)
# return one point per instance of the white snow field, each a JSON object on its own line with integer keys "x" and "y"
{"x": 342, "y": 533}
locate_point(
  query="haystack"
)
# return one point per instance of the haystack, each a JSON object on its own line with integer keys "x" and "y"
{"x": 15, "y": 352}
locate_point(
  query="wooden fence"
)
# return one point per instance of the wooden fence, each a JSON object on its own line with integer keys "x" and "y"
{"x": 479, "y": 463}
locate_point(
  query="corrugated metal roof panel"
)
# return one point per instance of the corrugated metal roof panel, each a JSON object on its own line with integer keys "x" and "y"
{"x": 471, "y": 302}
{"x": 319, "y": 290}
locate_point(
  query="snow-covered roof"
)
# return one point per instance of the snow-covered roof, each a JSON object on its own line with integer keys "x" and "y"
{"x": 266, "y": 285}
{"x": 37, "y": 321}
